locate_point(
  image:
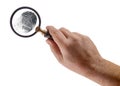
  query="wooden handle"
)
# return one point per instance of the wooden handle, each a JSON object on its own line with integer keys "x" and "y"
{"x": 45, "y": 33}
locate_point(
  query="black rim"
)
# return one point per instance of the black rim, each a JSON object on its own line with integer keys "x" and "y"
{"x": 14, "y": 14}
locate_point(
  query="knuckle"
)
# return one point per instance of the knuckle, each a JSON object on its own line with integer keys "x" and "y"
{"x": 77, "y": 34}
{"x": 62, "y": 28}
{"x": 55, "y": 32}
{"x": 86, "y": 37}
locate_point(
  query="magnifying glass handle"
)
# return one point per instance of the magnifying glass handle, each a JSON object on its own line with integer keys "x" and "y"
{"x": 47, "y": 35}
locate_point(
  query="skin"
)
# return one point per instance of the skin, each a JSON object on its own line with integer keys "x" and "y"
{"x": 78, "y": 53}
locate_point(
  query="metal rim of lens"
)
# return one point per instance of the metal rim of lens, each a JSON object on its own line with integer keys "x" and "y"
{"x": 24, "y": 7}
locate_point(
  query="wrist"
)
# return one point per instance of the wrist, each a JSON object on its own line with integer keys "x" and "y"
{"x": 104, "y": 72}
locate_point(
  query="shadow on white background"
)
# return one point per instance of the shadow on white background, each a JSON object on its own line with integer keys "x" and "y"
{"x": 29, "y": 61}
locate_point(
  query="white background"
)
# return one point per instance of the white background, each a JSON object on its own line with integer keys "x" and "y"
{"x": 29, "y": 61}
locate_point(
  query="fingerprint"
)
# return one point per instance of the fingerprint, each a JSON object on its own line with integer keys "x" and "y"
{"x": 28, "y": 21}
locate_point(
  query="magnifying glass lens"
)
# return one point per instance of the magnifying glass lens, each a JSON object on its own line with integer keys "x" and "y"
{"x": 24, "y": 21}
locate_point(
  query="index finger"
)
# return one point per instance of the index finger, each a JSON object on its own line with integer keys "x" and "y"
{"x": 57, "y": 35}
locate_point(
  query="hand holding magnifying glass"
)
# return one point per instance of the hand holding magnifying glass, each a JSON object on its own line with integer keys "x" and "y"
{"x": 26, "y": 22}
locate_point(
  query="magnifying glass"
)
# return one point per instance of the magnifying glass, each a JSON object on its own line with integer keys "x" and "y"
{"x": 26, "y": 22}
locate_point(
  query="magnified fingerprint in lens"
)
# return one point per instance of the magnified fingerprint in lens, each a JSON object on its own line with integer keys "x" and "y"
{"x": 28, "y": 21}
